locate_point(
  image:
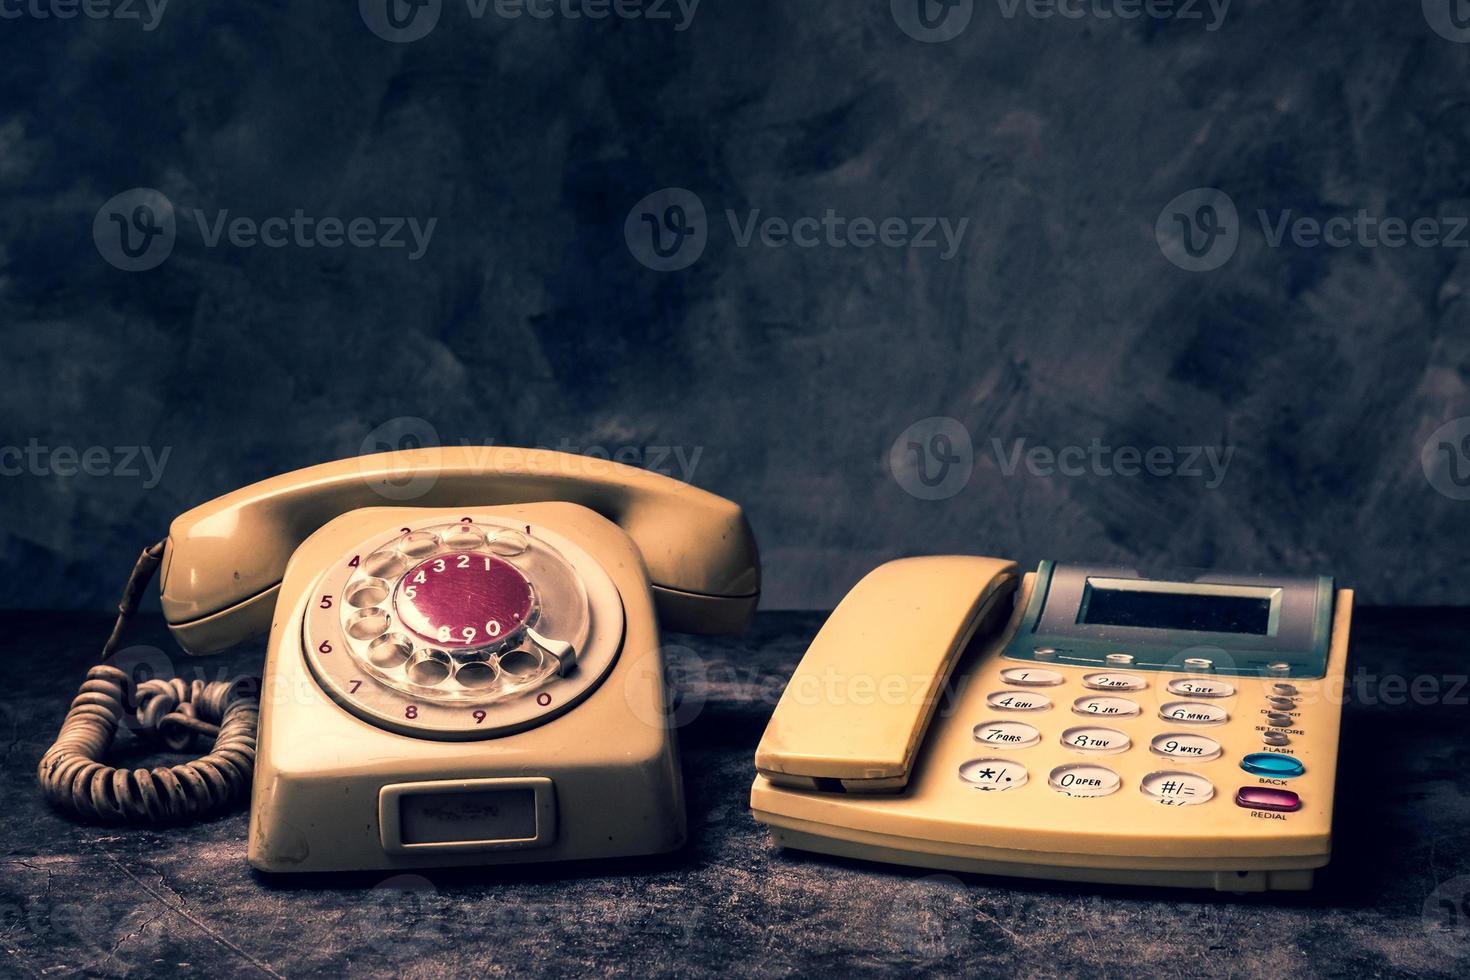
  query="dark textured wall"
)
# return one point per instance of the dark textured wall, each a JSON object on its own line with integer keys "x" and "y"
{"x": 1330, "y": 381}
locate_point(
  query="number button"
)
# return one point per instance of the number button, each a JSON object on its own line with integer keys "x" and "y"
{"x": 1185, "y": 745}
{"x": 1105, "y": 706}
{"x": 1100, "y": 741}
{"x": 1083, "y": 779}
{"x": 994, "y": 775}
{"x": 1194, "y": 713}
{"x": 1177, "y": 788}
{"x": 1018, "y": 701}
{"x": 1201, "y": 687}
{"x": 1114, "y": 682}
{"x": 1012, "y": 734}
{"x": 1031, "y": 677}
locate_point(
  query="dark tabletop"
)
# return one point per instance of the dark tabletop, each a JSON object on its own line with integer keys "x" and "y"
{"x": 122, "y": 902}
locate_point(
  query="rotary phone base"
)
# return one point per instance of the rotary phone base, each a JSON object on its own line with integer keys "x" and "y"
{"x": 474, "y": 679}
{"x": 548, "y": 783}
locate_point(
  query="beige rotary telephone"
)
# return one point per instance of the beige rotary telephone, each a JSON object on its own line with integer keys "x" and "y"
{"x": 472, "y": 679}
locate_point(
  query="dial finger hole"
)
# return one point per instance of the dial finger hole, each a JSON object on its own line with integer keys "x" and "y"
{"x": 478, "y": 674}
{"x": 520, "y": 665}
{"x": 417, "y": 544}
{"x": 464, "y": 537}
{"x": 367, "y": 624}
{"x": 508, "y": 542}
{"x": 390, "y": 650}
{"x": 368, "y": 592}
{"x": 384, "y": 563}
{"x": 429, "y": 668}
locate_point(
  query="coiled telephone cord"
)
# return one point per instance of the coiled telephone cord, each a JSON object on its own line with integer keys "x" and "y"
{"x": 73, "y": 775}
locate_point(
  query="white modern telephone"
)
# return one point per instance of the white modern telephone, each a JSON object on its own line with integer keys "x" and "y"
{"x": 473, "y": 679}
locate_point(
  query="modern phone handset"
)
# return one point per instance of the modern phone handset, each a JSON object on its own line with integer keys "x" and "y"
{"x": 222, "y": 566}
{"x": 855, "y": 712}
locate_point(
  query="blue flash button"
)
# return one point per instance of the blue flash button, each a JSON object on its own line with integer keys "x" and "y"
{"x": 1272, "y": 764}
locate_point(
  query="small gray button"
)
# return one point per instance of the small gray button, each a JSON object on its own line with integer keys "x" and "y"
{"x": 1279, "y": 719}
{"x": 1044, "y": 653}
{"x": 1198, "y": 663}
{"x": 1276, "y": 738}
{"x": 1284, "y": 690}
{"x": 1278, "y": 669}
{"x": 1286, "y": 704}
{"x": 1119, "y": 658}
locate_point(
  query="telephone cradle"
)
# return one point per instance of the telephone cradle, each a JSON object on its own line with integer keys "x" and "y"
{"x": 1082, "y": 723}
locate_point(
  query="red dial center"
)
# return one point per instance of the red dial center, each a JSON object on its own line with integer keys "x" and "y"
{"x": 463, "y": 600}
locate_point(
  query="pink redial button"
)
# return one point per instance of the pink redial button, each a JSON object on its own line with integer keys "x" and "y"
{"x": 1268, "y": 798}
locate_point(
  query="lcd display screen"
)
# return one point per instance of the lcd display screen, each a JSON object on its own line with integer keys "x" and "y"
{"x": 1196, "y": 610}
